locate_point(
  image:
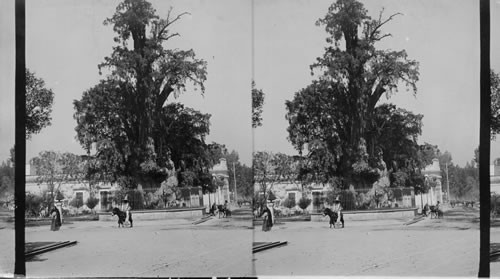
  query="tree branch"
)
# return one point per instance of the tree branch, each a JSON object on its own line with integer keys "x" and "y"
{"x": 380, "y": 24}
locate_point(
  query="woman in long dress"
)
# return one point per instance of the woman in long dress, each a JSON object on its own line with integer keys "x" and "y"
{"x": 267, "y": 221}
{"x": 56, "y": 219}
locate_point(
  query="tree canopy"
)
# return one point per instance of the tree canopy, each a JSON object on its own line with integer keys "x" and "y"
{"x": 39, "y": 102}
{"x": 6, "y": 183}
{"x": 257, "y": 106}
{"x": 495, "y": 104}
{"x": 336, "y": 117}
{"x": 125, "y": 120}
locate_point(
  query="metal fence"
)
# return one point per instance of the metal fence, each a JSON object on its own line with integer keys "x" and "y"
{"x": 368, "y": 199}
{"x": 151, "y": 198}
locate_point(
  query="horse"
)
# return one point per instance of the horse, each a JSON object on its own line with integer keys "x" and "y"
{"x": 333, "y": 217}
{"x": 121, "y": 217}
{"x": 224, "y": 211}
{"x": 436, "y": 212}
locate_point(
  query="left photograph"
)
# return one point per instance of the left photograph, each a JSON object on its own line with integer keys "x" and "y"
{"x": 138, "y": 146}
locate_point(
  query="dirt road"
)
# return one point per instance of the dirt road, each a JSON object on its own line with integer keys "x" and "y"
{"x": 218, "y": 247}
{"x": 444, "y": 247}
{"x": 222, "y": 247}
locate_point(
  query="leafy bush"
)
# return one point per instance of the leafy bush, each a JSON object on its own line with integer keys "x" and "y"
{"x": 33, "y": 204}
{"x": 304, "y": 203}
{"x": 92, "y": 202}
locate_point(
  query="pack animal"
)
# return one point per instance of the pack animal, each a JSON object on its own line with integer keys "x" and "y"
{"x": 121, "y": 217}
{"x": 223, "y": 211}
{"x": 334, "y": 216}
{"x": 436, "y": 212}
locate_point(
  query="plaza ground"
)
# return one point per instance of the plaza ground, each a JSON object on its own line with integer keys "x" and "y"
{"x": 431, "y": 247}
{"x": 219, "y": 247}
{"x": 222, "y": 247}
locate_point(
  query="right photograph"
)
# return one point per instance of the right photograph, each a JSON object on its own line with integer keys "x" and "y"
{"x": 366, "y": 133}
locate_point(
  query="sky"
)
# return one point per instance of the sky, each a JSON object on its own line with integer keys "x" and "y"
{"x": 66, "y": 40}
{"x": 442, "y": 35}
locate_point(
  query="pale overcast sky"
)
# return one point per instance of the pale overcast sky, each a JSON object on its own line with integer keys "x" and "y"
{"x": 442, "y": 35}
{"x": 66, "y": 40}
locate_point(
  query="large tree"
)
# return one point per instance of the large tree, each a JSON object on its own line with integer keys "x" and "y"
{"x": 125, "y": 119}
{"x": 39, "y": 100}
{"x": 337, "y": 109}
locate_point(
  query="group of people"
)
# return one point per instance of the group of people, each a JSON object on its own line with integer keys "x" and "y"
{"x": 56, "y": 214}
{"x": 427, "y": 209}
{"x": 213, "y": 208}
{"x": 268, "y": 220}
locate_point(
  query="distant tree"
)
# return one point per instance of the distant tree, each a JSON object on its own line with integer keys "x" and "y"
{"x": 92, "y": 202}
{"x": 244, "y": 177}
{"x": 6, "y": 183}
{"x": 54, "y": 168}
{"x": 125, "y": 118}
{"x": 304, "y": 203}
{"x": 445, "y": 161}
{"x": 257, "y": 106}
{"x": 39, "y": 102}
{"x": 464, "y": 181}
{"x": 269, "y": 169}
{"x": 335, "y": 112}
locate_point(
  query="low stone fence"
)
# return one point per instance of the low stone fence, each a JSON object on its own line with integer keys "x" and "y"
{"x": 159, "y": 214}
{"x": 362, "y": 215}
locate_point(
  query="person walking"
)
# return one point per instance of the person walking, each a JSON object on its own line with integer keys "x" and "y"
{"x": 126, "y": 208}
{"x": 337, "y": 208}
{"x": 56, "y": 219}
{"x": 267, "y": 218}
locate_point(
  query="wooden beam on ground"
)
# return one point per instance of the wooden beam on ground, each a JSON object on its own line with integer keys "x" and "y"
{"x": 48, "y": 248}
{"x": 266, "y": 246}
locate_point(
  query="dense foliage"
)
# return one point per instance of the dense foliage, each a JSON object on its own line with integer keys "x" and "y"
{"x": 257, "y": 106}
{"x": 39, "y": 102}
{"x": 130, "y": 131}
{"x": 495, "y": 104}
{"x": 337, "y": 119}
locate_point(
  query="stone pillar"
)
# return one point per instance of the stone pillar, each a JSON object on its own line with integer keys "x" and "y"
{"x": 439, "y": 191}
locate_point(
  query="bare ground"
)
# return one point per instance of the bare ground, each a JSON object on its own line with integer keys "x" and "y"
{"x": 431, "y": 247}
{"x": 219, "y": 247}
